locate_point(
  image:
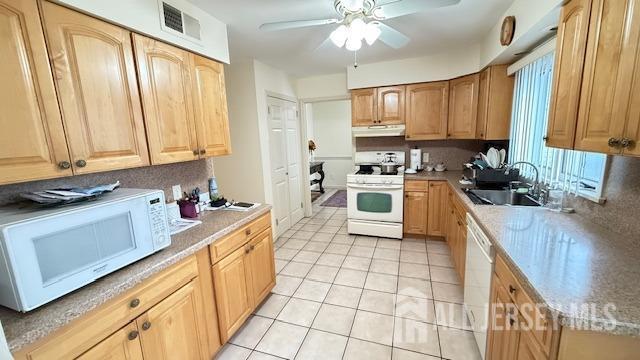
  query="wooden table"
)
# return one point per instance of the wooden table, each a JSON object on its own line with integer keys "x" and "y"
{"x": 316, "y": 167}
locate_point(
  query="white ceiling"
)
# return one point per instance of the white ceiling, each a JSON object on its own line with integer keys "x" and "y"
{"x": 304, "y": 52}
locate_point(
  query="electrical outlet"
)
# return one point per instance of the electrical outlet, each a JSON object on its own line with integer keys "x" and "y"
{"x": 177, "y": 192}
{"x": 425, "y": 158}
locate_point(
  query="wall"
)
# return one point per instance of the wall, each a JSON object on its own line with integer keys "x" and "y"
{"x": 188, "y": 174}
{"x": 331, "y": 123}
{"x": 324, "y": 86}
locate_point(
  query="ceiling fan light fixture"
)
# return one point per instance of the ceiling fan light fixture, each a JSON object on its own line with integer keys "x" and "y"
{"x": 354, "y": 5}
{"x": 357, "y": 29}
{"x": 353, "y": 43}
{"x": 378, "y": 13}
{"x": 372, "y": 32}
{"x": 339, "y": 36}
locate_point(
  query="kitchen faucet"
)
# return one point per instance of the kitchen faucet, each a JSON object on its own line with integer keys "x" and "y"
{"x": 536, "y": 183}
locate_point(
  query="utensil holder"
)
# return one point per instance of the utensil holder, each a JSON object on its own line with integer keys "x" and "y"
{"x": 187, "y": 209}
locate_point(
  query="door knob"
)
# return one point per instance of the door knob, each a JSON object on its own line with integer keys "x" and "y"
{"x": 625, "y": 143}
{"x": 134, "y": 303}
{"x": 203, "y": 151}
{"x": 81, "y": 163}
{"x": 64, "y": 165}
{"x": 613, "y": 142}
{"x": 196, "y": 151}
{"x": 146, "y": 325}
{"x": 133, "y": 335}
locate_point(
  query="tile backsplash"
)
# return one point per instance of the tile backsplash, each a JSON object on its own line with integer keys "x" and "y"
{"x": 189, "y": 175}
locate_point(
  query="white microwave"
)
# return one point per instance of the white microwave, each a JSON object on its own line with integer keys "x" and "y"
{"x": 47, "y": 253}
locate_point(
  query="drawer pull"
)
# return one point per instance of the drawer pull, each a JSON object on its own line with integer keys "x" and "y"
{"x": 64, "y": 165}
{"x": 512, "y": 321}
{"x": 134, "y": 303}
{"x": 81, "y": 163}
{"x": 512, "y": 290}
{"x": 146, "y": 325}
{"x": 252, "y": 247}
{"x": 247, "y": 249}
{"x": 133, "y": 335}
{"x": 247, "y": 232}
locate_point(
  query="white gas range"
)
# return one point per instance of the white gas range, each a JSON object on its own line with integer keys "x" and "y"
{"x": 374, "y": 198}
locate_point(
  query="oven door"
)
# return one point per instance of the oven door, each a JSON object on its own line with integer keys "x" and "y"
{"x": 375, "y": 202}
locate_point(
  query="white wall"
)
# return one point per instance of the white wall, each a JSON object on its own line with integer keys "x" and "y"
{"x": 332, "y": 135}
{"x": 324, "y": 86}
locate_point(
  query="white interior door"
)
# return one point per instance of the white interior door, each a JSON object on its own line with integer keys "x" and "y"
{"x": 284, "y": 132}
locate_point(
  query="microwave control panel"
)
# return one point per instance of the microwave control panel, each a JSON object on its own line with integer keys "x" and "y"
{"x": 158, "y": 218}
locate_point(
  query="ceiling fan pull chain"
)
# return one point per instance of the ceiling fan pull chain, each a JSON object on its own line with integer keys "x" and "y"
{"x": 355, "y": 59}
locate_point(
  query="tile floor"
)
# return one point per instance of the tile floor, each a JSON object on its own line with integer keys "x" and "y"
{"x": 341, "y": 296}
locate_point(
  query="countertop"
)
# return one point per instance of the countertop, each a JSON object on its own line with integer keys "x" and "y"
{"x": 586, "y": 275}
{"x": 23, "y": 329}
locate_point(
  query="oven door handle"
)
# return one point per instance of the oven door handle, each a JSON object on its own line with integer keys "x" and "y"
{"x": 375, "y": 187}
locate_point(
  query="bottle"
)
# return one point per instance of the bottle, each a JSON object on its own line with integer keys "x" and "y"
{"x": 213, "y": 188}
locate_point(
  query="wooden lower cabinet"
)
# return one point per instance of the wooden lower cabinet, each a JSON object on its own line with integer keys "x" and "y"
{"x": 261, "y": 262}
{"x": 456, "y": 233}
{"x": 415, "y": 212}
{"x": 124, "y": 344}
{"x": 437, "y": 211}
{"x": 503, "y": 342}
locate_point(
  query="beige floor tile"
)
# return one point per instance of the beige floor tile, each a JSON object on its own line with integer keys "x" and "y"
{"x": 300, "y": 312}
{"x": 334, "y": 319}
{"x": 381, "y": 282}
{"x": 319, "y": 345}
{"x": 447, "y": 292}
{"x": 296, "y": 269}
{"x": 315, "y": 246}
{"x": 438, "y": 247}
{"x": 378, "y": 302}
{"x": 280, "y": 264}
{"x": 356, "y": 263}
{"x": 373, "y": 327}
{"x": 343, "y": 296}
{"x": 272, "y": 305}
{"x": 440, "y": 260}
{"x": 387, "y": 254}
{"x": 309, "y": 257}
{"x": 444, "y": 274}
{"x": 414, "y": 287}
{"x": 322, "y": 237}
{"x": 399, "y": 354}
{"x": 415, "y": 308}
{"x": 414, "y": 245}
{"x": 323, "y": 273}
{"x": 343, "y": 239}
{"x": 458, "y": 344}
{"x": 361, "y": 251}
{"x": 303, "y": 235}
{"x": 452, "y": 315}
{"x": 360, "y": 350}
{"x": 312, "y": 290}
{"x": 389, "y": 244}
{"x": 330, "y": 260}
{"x": 285, "y": 254}
{"x": 311, "y": 227}
{"x": 353, "y": 278}
{"x": 256, "y": 355}
{"x": 251, "y": 332}
{"x": 329, "y": 229}
{"x": 340, "y": 249}
{"x": 282, "y": 340}
{"x": 416, "y": 336}
{"x": 413, "y": 257}
{"x": 286, "y": 285}
{"x": 335, "y": 222}
{"x": 366, "y": 241}
{"x": 233, "y": 352}
{"x": 294, "y": 244}
{"x": 417, "y": 271}
{"x": 384, "y": 267}
{"x": 316, "y": 221}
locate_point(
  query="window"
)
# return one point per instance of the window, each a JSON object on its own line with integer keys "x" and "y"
{"x": 578, "y": 172}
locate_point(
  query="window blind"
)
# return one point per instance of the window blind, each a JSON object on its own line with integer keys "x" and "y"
{"x": 578, "y": 172}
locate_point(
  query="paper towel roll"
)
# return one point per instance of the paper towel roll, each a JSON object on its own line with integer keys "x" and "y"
{"x": 416, "y": 159}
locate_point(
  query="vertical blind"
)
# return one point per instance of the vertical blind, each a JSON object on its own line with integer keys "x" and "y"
{"x": 578, "y": 172}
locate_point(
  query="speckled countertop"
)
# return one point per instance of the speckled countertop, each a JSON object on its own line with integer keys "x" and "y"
{"x": 24, "y": 329}
{"x": 565, "y": 262}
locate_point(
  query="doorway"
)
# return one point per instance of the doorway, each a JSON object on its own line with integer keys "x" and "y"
{"x": 284, "y": 148}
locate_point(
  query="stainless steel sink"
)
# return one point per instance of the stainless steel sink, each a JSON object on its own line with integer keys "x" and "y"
{"x": 500, "y": 197}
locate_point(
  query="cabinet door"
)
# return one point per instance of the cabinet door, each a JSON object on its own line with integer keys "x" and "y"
{"x": 391, "y": 107}
{"x": 233, "y": 292}
{"x": 175, "y": 326}
{"x": 437, "y": 213}
{"x": 461, "y": 248}
{"x": 364, "y": 107}
{"x": 495, "y": 103}
{"x": 427, "y": 112}
{"x": 415, "y": 213}
{"x": 483, "y": 103}
{"x": 528, "y": 349}
{"x": 463, "y": 107}
{"x": 210, "y": 101}
{"x": 607, "y": 78}
{"x": 96, "y": 79}
{"x": 262, "y": 266}
{"x": 122, "y": 345}
{"x": 452, "y": 226}
{"x": 502, "y": 343}
{"x": 32, "y": 140}
{"x": 166, "y": 87}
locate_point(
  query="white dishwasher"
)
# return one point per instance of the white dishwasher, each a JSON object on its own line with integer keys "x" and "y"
{"x": 477, "y": 281}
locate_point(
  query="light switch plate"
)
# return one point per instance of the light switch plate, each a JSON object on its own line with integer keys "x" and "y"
{"x": 425, "y": 158}
{"x": 177, "y": 192}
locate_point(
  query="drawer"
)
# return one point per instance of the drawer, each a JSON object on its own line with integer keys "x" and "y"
{"x": 228, "y": 244}
{"x": 416, "y": 185}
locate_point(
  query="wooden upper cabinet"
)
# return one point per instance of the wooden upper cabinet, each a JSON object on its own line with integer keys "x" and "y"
{"x": 391, "y": 109}
{"x": 567, "y": 74}
{"x": 427, "y": 111}
{"x": 167, "y": 100}
{"x": 32, "y": 140}
{"x": 262, "y": 266}
{"x": 364, "y": 107}
{"x": 463, "y": 107}
{"x": 495, "y": 101}
{"x": 437, "y": 212}
{"x": 124, "y": 344}
{"x": 175, "y": 326}
{"x": 96, "y": 78}
{"x": 210, "y": 102}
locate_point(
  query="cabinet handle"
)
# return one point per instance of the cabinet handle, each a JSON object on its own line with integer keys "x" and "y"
{"x": 613, "y": 142}
{"x": 134, "y": 303}
{"x": 64, "y": 165}
{"x": 81, "y": 163}
{"x": 512, "y": 289}
{"x": 252, "y": 247}
{"x": 133, "y": 335}
{"x": 146, "y": 325}
{"x": 625, "y": 143}
{"x": 196, "y": 151}
{"x": 247, "y": 249}
{"x": 512, "y": 321}
{"x": 247, "y": 232}
{"x": 203, "y": 151}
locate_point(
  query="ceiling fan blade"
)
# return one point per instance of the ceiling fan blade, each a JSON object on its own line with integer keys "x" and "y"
{"x": 397, "y": 8}
{"x": 283, "y": 25}
{"x": 393, "y": 37}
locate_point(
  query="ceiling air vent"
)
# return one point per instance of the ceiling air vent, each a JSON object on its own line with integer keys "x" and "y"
{"x": 172, "y": 17}
{"x": 175, "y": 20}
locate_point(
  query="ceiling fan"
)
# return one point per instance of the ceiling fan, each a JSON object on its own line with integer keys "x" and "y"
{"x": 362, "y": 20}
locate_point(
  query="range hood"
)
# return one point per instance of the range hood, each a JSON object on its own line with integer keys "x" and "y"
{"x": 378, "y": 130}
